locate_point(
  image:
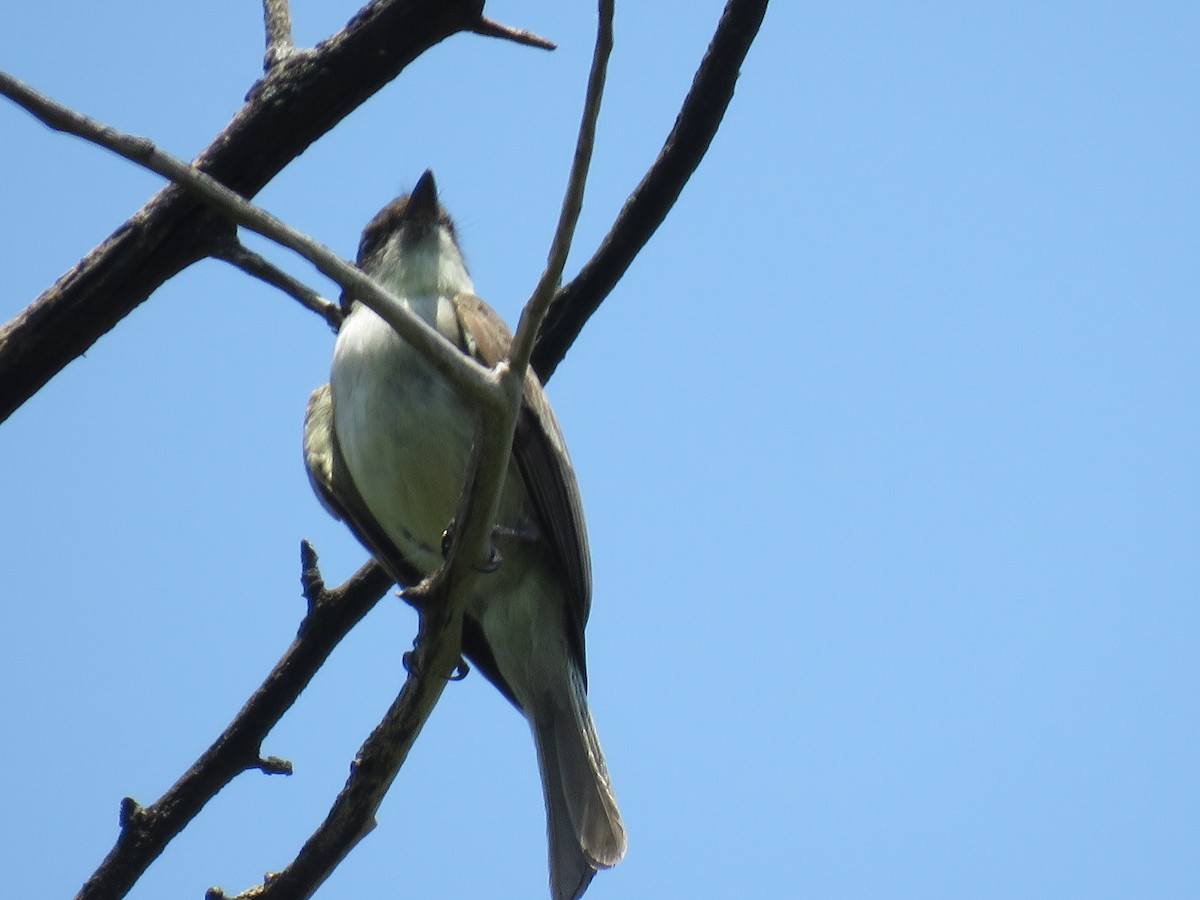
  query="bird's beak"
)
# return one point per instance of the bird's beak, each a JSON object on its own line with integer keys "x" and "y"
{"x": 423, "y": 201}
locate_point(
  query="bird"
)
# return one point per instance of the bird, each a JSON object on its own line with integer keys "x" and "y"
{"x": 387, "y": 445}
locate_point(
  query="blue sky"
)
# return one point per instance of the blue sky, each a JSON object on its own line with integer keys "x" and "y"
{"x": 888, "y": 443}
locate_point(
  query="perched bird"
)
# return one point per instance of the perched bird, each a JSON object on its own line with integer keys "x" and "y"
{"x": 387, "y": 446}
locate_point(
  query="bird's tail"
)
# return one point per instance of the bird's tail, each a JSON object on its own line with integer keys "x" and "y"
{"x": 582, "y": 821}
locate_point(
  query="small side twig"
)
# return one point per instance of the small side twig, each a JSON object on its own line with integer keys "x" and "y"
{"x": 277, "y": 19}
{"x": 491, "y": 28}
{"x": 238, "y": 254}
{"x": 274, "y": 765}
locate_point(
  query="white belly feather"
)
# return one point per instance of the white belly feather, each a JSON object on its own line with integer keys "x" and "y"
{"x": 406, "y": 438}
{"x": 404, "y": 432}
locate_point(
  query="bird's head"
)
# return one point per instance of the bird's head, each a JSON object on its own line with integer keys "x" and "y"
{"x": 411, "y": 247}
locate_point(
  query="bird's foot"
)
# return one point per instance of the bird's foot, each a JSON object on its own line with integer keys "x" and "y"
{"x": 493, "y": 561}
{"x": 413, "y": 667}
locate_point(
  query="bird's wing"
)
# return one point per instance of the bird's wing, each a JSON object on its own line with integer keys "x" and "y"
{"x": 335, "y": 488}
{"x": 541, "y": 457}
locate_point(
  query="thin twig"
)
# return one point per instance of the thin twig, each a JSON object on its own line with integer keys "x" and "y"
{"x": 468, "y": 376}
{"x": 277, "y": 19}
{"x": 697, "y": 123}
{"x": 238, "y": 254}
{"x": 535, "y": 309}
{"x": 491, "y": 28}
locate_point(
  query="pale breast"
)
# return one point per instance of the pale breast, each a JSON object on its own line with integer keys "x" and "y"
{"x": 405, "y": 434}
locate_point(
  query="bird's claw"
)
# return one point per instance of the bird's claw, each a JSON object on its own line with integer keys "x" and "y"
{"x": 493, "y": 561}
{"x": 461, "y": 670}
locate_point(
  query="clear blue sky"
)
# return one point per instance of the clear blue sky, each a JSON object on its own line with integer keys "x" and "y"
{"x": 888, "y": 443}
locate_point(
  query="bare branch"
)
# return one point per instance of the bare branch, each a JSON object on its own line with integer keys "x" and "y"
{"x": 273, "y": 765}
{"x": 288, "y": 109}
{"x": 697, "y": 123}
{"x": 491, "y": 28}
{"x": 352, "y": 815}
{"x": 145, "y": 831}
{"x": 535, "y": 310}
{"x": 238, "y": 254}
{"x": 464, "y": 372}
{"x": 277, "y": 19}
{"x": 61, "y": 118}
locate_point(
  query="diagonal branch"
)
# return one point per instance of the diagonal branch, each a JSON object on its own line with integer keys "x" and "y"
{"x": 352, "y": 815}
{"x": 648, "y": 205}
{"x": 277, "y": 20}
{"x": 288, "y": 109}
{"x": 145, "y": 831}
{"x": 253, "y": 264}
{"x": 535, "y": 310}
{"x": 467, "y": 375}
{"x": 491, "y": 28}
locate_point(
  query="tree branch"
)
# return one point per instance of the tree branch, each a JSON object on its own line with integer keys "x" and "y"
{"x": 439, "y": 600}
{"x": 465, "y": 373}
{"x": 145, "y": 831}
{"x": 277, "y": 22}
{"x": 352, "y": 815}
{"x": 490, "y": 28}
{"x": 288, "y": 109}
{"x": 238, "y": 254}
{"x": 535, "y": 309}
{"x": 697, "y": 123}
